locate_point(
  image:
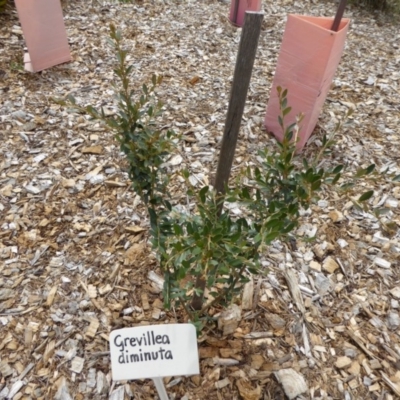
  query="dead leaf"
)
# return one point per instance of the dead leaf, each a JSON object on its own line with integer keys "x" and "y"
{"x": 194, "y": 80}
{"x": 134, "y": 229}
{"x": 134, "y": 252}
{"x": 247, "y": 391}
{"x": 92, "y": 150}
{"x": 51, "y": 295}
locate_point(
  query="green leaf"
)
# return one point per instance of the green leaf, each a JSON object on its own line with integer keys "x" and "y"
{"x": 257, "y": 238}
{"x": 288, "y": 158}
{"x": 293, "y": 209}
{"x": 365, "y": 171}
{"x": 181, "y": 273}
{"x": 289, "y": 135}
{"x": 270, "y": 237}
{"x": 254, "y": 270}
{"x": 245, "y": 193}
{"x": 346, "y": 186}
{"x": 316, "y": 185}
{"x": 336, "y": 178}
{"x": 396, "y": 178}
{"x": 177, "y": 230}
{"x": 202, "y": 194}
{"x": 168, "y": 205}
{"x": 93, "y": 112}
{"x": 370, "y": 169}
{"x": 71, "y": 99}
{"x": 273, "y": 223}
{"x": 338, "y": 169}
{"x": 289, "y": 228}
{"x": 366, "y": 196}
{"x": 286, "y": 111}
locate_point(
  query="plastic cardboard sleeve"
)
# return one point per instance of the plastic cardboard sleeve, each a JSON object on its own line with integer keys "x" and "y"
{"x": 239, "y": 8}
{"x": 44, "y": 31}
{"x": 307, "y": 62}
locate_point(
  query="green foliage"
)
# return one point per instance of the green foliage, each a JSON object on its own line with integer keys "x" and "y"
{"x": 204, "y": 247}
{"x": 284, "y": 183}
{"x": 205, "y": 250}
{"x": 208, "y": 248}
{"x": 144, "y": 144}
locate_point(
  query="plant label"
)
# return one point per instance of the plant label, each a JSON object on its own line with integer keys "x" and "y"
{"x": 154, "y": 351}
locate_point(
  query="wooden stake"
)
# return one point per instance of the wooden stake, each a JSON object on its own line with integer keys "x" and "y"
{"x": 339, "y": 15}
{"x": 236, "y": 11}
{"x": 241, "y": 80}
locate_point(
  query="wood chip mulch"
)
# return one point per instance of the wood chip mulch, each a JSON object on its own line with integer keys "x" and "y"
{"x": 74, "y": 258}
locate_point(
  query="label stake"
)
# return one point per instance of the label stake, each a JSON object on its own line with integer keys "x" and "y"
{"x": 162, "y": 392}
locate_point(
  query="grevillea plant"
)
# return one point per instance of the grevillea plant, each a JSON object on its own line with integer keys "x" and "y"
{"x": 144, "y": 144}
{"x": 203, "y": 249}
{"x": 204, "y": 246}
{"x": 284, "y": 182}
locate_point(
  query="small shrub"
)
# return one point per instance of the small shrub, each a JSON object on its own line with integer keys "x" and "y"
{"x": 145, "y": 146}
{"x": 205, "y": 249}
{"x": 284, "y": 182}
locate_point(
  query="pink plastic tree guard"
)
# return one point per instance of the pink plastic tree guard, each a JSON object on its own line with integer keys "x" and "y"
{"x": 44, "y": 31}
{"x": 308, "y": 59}
{"x": 239, "y": 8}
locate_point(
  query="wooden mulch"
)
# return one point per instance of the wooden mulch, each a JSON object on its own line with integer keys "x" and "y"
{"x": 74, "y": 258}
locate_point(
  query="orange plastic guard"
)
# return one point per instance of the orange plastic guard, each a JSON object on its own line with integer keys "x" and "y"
{"x": 308, "y": 59}
{"x": 239, "y": 8}
{"x": 44, "y": 31}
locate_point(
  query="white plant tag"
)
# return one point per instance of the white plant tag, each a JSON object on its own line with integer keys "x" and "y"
{"x": 154, "y": 351}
